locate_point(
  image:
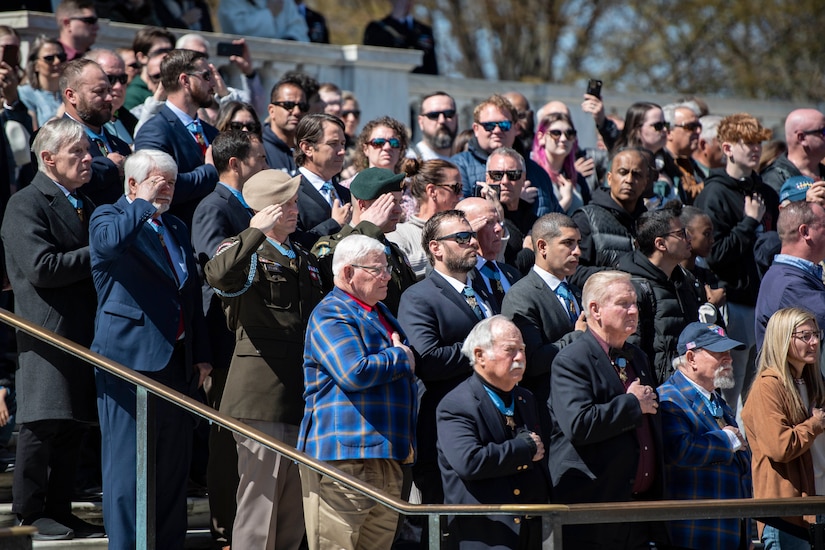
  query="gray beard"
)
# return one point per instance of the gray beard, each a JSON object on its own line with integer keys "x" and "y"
{"x": 442, "y": 139}
{"x": 723, "y": 381}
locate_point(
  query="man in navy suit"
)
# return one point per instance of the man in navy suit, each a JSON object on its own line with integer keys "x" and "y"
{"x": 149, "y": 318}
{"x": 437, "y": 314}
{"x": 87, "y": 97}
{"x": 494, "y": 450}
{"x": 497, "y": 277}
{"x": 606, "y": 438}
{"x": 221, "y": 214}
{"x": 544, "y": 305}
{"x": 323, "y": 206}
{"x": 178, "y": 131}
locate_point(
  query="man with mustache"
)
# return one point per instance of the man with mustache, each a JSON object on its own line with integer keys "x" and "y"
{"x": 490, "y": 449}
{"x": 706, "y": 455}
{"x": 87, "y": 97}
{"x": 438, "y": 122}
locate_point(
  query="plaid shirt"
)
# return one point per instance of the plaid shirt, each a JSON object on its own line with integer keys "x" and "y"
{"x": 700, "y": 464}
{"x": 360, "y": 392}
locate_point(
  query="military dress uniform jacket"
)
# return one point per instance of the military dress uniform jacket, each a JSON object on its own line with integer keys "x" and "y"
{"x": 403, "y": 275}
{"x": 268, "y": 310}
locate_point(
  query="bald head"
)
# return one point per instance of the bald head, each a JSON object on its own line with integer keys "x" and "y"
{"x": 804, "y": 134}
{"x": 553, "y": 107}
{"x": 525, "y": 114}
{"x": 486, "y": 221}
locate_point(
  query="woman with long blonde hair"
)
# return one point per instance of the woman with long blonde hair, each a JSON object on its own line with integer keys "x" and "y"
{"x": 783, "y": 419}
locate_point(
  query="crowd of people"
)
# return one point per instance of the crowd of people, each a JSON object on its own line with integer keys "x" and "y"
{"x": 511, "y": 319}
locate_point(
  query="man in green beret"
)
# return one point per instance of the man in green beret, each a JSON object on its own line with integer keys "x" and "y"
{"x": 376, "y": 210}
{"x": 268, "y": 285}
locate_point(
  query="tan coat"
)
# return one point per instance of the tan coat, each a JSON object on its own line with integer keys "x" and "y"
{"x": 781, "y": 461}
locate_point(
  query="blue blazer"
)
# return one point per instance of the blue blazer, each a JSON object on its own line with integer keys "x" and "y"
{"x": 139, "y": 298}
{"x": 482, "y": 464}
{"x": 166, "y": 132}
{"x": 700, "y": 463}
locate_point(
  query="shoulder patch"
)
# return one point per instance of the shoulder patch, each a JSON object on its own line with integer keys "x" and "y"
{"x": 322, "y": 249}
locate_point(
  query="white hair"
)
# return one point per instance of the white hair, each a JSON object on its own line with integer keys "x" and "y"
{"x": 669, "y": 110}
{"x": 505, "y": 152}
{"x": 597, "y": 287}
{"x": 139, "y": 164}
{"x": 182, "y": 42}
{"x": 481, "y": 337}
{"x": 352, "y": 250}
{"x": 710, "y": 124}
{"x": 56, "y": 134}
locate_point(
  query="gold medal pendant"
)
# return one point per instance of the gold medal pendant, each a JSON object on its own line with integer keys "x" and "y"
{"x": 510, "y": 422}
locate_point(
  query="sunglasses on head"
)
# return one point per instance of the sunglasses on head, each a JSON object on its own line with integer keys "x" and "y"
{"x": 661, "y": 125}
{"x": 434, "y": 115}
{"x": 303, "y": 106}
{"x": 498, "y": 175}
{"x": 89, "y": 20}
{"x": 355, "y": 112}
{"x": 690, "y": 126}
{"x": 115, "y": 78}
{"x": 253, "y": 127}
{"x": 462, "y": 237}
{"x": 50, "y": 58}
{"x": 569, "y": 134}
{"x": 505, "y": 125}
{"x": 378, "y": 143}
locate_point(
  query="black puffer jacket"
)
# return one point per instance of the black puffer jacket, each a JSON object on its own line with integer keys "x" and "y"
{"x": 666, "y": 306}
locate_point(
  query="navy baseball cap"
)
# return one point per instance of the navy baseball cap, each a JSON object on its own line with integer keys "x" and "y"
{"x": 706, "y": 336}
{"x": 794, "y": 188}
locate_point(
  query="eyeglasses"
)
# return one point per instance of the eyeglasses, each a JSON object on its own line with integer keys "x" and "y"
{"x": 355, "y": 112}
{"x": 50, "y": 58}
{"x": 679, "y": 234}
{"x": 569, "y": 134}
{"x": 205, "y": 75}
{"x": 378, "y": 143}
{"x": 820, "y": 132}
{"x": 115, "y": 78}
{"x": 462, "y": 237}
{"x": 661, "y": 125}
{"x": 456, "y": 188}
{"x": 135, "y": 65}
{"x": 303, "y": 106}
{"x": 498, "y": 175}
{"x": 89, "y": 20}
{"x": 434, "y": 115}
{"x": 690, "y": 126}
{"x": 155, "y": 77}
{"x": 505, "y": 125}
{"x": 808, "y": 335}
{"x": 374, "y": 270}
{"x": 253, "y": 127}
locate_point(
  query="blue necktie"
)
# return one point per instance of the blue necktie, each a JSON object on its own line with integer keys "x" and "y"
{"x": 470, "y": 295}
{"x": 77, "y": 202}
{"x": 563, "y": 291}
{"x": 329, "y": 190}
{"x": 491, "y": 271}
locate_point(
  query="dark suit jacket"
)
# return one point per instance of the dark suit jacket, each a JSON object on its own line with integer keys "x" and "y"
{"x": 166, "y": 132}
{"x": 511, "y": 273}
{"x": 217, "y": 217}
{"x": 139, "y": 297}
{"x": 593, "y": 453}
{"x": 436, "y": 320}
{"x": 314, "y": 214}
{"x": 483, "y": 463}
{"x": 47, "y": 257}
{"x": 317, "y": 26}
{"x": 545, "y": 327}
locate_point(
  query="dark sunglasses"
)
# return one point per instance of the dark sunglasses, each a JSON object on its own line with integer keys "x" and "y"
{"x": 135, "y": 65}
{"x": 498, "y": 175}
{"x": 448, "y": 114}
{"x": 155, "y": 77}
{"x": 454, "y": 187}
{"x": 690, "y": 126}
{"x": 115, "y": 78}
{"x": 378, "y": 143}
{"x": 253, "y": 127}
{"x": 50, "y": 58}
{"x": 505, "y": 125}
{"x": 303, "y": 106}
{"x": 569, "y": 134}
{"x": 355, "y": 112}
{"x": 659, "y": 126}
{"x": 818, "y": 131}
{"x": 462, "y": 237}
{"x": 89, "y": 20}
{"x": 205, "y": 75}
{"x": 679, "y": 234}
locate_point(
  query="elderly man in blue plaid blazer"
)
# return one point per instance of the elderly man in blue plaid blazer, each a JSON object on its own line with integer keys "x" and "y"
{"x": 706, "y": 455}
{"x": 360, "y": 397}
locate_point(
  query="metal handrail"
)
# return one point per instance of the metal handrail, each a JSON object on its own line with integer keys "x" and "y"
{"x": 555, "y": 515}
